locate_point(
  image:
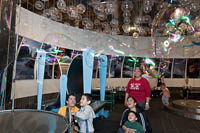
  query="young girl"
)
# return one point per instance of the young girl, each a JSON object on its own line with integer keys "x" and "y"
{"x": 132, "y": 126}
{"x": 166, "y": 94}
{"x": 85, "y": 115}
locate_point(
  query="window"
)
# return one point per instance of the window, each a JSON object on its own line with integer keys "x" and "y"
{"x": 128, "y": 67}
{"x": 165, "y": 67}
{"x": 25, "y": 62}
{"x": 95, "y": 67}
{"x": 193, "y": 68}
{"x": 179, "y": 68}
{"x": 115, "y": 68}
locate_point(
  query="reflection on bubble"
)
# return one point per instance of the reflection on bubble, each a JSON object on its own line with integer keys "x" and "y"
{"x": 126, "y": 28}
{"x": 81, "y": 8}
{"x": 39, "y": 5}
{"x": 147, "y": 9}
{"x": 61, "y": 4}
{"x": 135, "y": 34}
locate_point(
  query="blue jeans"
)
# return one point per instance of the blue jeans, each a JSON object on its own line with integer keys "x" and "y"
{"x": 165, "y": 100}
{"x": 120, "y": 130}
{"x": 142, "y": 104}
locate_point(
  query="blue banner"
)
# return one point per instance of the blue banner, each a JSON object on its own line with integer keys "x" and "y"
{"x": 102, "y": 72}
{"x": 40, "y": 62}
{"x": 63, "y": 89}
{"x": 88, "y": 61}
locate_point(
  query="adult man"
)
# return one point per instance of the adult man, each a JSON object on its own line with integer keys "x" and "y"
{"x": 66, "y": 111}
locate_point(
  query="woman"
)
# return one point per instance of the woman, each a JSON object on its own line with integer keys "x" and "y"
{"x": 139, "y": 88}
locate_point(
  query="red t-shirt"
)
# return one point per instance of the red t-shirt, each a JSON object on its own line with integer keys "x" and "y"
{"x": 139, "y": 89}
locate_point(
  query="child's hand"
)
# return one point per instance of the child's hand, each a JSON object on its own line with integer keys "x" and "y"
{"x": 76, "y": 128}
{"x": 73, "y": 113}
{"x": 127, "y": 130}
{"x": 132, "y": 131}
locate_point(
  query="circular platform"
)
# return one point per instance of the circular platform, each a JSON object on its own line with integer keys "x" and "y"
{"x": 186, "y": 108}
{"x": 31, "y": 121}
{"x": 187, "y": 105}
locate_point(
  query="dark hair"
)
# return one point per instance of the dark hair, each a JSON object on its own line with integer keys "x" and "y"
{"x": 67, "y": 96}
{"x": 133, "y": 113}
{"x": 163, "y": 84}
{"x": 88, "y": 96}
{"x": 133, "y": 99}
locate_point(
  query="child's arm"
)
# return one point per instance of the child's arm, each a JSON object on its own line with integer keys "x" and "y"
{"x": 161, "y": 92}
{"x": 84, "y": 115}
{"x": 125, "y": 128}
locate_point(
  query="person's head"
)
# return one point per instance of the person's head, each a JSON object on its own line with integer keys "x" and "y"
{"x": 186, "y": 80}
{"x": 163, "y": 85}
{"x": 86, "y": 99}
{"x": 71, "y": 100}
{"x": 138, "y": 72}
{"x": 131, "y": 102}
{"x": 132, "y": 116}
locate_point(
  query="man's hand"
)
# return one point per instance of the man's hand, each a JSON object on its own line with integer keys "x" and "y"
{"x": 73, "y": 113}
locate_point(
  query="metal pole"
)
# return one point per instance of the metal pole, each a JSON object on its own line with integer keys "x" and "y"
{"x": 15, "y": 61}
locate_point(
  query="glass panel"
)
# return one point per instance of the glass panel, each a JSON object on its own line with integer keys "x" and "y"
{"x": 193, "y": 68}
{"x": 165, "y": 67}
{"x": 128, "y": 67}
{"x": 57, "y": 72}
{"x": 115, "y": 69}
{"x": 108, "y": 65}
{"x": 179, "y": 68}
{"x": 48, "y": 71}
{"x": 25, "y": 63}
{"x": 152, "y": 67}
{"x": 95, "y": 67}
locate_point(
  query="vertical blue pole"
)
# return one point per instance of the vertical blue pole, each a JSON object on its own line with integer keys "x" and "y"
{"x": 63, "y": 89}
{"x": 88, "y": 61}
{"x": 41, "y": 55}
{"x": 102, "y": 72}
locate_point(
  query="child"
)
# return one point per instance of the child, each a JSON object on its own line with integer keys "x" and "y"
{"x": 166, "y": 94}
{"x": 186, "y": 89}
{"x": 85, "y": 115}
{"x": 132, "y": 126}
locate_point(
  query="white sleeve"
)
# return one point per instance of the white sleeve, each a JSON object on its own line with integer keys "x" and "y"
{"x": 83, "y": 115}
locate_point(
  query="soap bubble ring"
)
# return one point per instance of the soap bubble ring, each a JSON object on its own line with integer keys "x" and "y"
{"x": 178, "y": 25}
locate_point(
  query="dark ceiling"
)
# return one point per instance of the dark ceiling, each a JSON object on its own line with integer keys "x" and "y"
{"x": 121, "y": 17}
